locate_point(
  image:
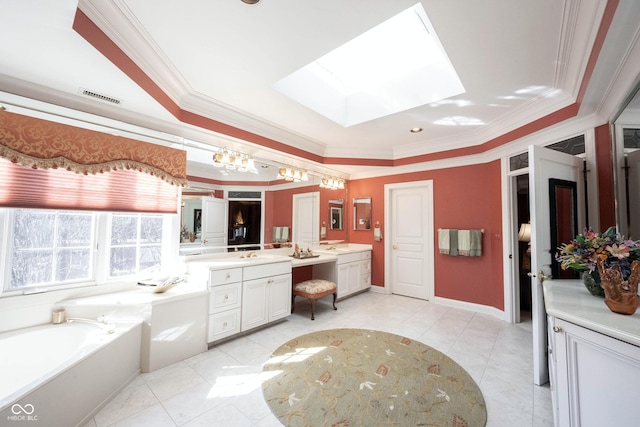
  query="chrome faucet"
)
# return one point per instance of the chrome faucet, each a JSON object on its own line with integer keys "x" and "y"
{"x": 59, "y": 316}
{"x": 109, "y": 328}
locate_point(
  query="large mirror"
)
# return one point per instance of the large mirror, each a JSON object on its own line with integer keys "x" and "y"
{"x": 563, "y": 202}
{"x": 627, "y": 167}
{"x": 362, "y": 213}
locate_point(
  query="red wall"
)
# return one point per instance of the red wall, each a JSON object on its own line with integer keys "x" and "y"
{"x": 604, "y": 163}
{"x": 464, "y": 198}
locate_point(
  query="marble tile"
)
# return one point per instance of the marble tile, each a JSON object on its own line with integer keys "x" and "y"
{"x": 193, "y": 402}
{"x": 173, "y": 379}
{"x": 496, "y": 354}
{"x": 130, "y": 401}
{"x": 154, "y": 416}
{"x": 222, "y": 415}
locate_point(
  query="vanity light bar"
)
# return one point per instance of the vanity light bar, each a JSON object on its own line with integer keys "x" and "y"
{"x": 234, "y": 161}
{"x": 290, "y": 174}
{"x": 332, "y": 183}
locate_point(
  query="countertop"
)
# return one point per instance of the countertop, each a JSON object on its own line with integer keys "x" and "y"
{"x": 233, "y": 259}
{"x": 569, "y": 300}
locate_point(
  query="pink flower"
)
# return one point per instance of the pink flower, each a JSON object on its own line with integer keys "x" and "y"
{"x": 619, "y": 251}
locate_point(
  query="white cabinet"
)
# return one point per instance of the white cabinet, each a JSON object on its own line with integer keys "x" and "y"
{"x": 243, "y": 298}
{"x": 225, "y": 297}
{"x": 353, "y": 273}
{"x": 266, "y": 294}
{"x": 594, "y": 378}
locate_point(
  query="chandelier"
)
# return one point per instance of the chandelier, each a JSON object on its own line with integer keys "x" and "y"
{"x": 234, "y": 161}
{"x": 292, "y": 174}
{"x": 332, "y": 183}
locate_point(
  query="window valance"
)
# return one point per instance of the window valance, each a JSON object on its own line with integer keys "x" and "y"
{"x": 42, "y": 144}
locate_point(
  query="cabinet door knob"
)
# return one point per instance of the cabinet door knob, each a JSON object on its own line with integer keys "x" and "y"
{"x": 226, "y": 297}
{"x": 228, "y": 275}
{"x": 395, "y": 246}
{"x": 557, "y": 329}
{"x": 224, "y": 324}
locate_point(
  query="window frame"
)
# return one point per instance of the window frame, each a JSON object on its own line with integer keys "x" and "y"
{"x": 101, "y": 253}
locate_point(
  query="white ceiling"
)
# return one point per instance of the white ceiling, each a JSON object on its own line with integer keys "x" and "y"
{"x": 518, "y": 61}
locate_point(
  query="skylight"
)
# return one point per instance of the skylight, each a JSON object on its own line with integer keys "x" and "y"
{"x": 397, "y": 65}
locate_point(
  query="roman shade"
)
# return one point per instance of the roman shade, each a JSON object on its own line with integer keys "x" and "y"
{"x": 50, "y": 165}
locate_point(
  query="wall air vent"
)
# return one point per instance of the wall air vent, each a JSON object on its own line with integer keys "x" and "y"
{"x": 99, "y": 96}
{"x": 244, "y": 194}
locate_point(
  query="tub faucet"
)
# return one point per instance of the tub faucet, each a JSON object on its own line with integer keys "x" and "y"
{"x": 109, "y": 328}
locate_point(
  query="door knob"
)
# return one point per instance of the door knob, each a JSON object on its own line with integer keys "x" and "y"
{"x": 542, "y": 277}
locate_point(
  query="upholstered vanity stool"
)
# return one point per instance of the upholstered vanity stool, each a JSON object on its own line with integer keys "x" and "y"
{"x": 314, "y": 289}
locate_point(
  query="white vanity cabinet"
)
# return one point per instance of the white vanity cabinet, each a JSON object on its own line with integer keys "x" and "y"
{"x": 266, "y": 294}
{"x": 225, "y": 297}
{"x": 594, "y": 359}
{"x": 596, "y": 377}
{"x": 353, "y": 273}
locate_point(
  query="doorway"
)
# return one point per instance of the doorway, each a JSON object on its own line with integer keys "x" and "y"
{"x": 409, "y": 248}
{"x": 523, "y": 216}
{"x": 244, "y": 224}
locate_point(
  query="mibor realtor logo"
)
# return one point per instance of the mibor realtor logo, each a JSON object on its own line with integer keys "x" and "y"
{"x": 22, "y": 413}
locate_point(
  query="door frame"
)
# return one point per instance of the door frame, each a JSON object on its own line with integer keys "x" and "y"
{"x": 429, "y": 247}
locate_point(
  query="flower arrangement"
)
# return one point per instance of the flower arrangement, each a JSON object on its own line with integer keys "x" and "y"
{"x": 184, "y": 232}
{"x": 584, "y": 252}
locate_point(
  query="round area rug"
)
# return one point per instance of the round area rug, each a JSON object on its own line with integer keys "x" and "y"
{"x": 356, "y": 377}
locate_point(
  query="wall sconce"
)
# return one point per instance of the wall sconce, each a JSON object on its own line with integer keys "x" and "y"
{"x": 234, "y": 161}
{"x": 524, "y": 235}
{"x": 332, "y": 183}
{"x": 291, "y": 174}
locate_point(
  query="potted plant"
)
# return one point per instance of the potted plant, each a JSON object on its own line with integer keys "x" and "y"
{"x": 587, "y": 249}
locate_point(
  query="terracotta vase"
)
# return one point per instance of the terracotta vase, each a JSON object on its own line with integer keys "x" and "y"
{"x": 621, "y": 296}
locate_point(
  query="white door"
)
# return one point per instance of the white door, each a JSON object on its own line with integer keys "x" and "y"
{"x": 545, "y": 164}
{"x": 409, "y": 248}
{"x": 214, "y": 221}
{"x": 306, "y": 218}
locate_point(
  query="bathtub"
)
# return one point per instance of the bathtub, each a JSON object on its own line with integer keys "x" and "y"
{"x": 61, "y": 375}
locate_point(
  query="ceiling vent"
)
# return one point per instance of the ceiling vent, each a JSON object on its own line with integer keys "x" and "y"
{"x": 99, "y": 96}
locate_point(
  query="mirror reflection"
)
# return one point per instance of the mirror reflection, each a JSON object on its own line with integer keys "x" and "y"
{"x": 362, "y": 213}
{"x": 627, "y": 149}
{"x": 335, "y": 214}
{"x": 191, "y": 218}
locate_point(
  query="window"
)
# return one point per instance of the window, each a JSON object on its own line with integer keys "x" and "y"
{"x": 57, "y": 248}
{"x": 51, "y": 247}
{"x": 136, "y": 243}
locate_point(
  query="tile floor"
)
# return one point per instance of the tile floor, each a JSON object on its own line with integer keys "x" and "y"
{"x": 221, "y": 387}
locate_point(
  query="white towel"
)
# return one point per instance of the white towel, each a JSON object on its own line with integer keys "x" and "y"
{"x": 464, "y": 242}
{"x": 443, "y": 240}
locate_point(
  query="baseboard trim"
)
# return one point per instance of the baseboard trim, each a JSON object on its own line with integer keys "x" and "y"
{"x": 478, "y": 308}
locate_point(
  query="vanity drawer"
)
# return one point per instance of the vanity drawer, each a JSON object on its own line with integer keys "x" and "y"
{"x": 225, "y": 324}
{"x": 349, "y": 257}
{"x": 267, "y": 270}
{"x": 225, "y": 297}
{"x": 225, "y": 276}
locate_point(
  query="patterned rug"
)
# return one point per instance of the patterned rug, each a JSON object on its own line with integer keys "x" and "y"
{"x": 356, "y": 377}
